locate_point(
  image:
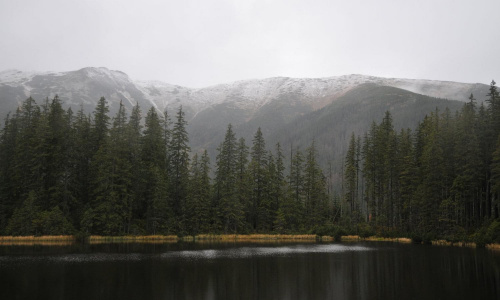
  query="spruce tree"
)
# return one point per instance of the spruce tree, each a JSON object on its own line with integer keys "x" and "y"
{"x": 179, "y": 168}
{"x": 257, "y": 169}
{"x": 350, "y": 179}
{"x": 229, "y": 216}
{"x": 154, "y": 189}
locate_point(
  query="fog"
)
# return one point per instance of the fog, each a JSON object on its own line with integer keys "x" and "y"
{"x": 201, "y": 43}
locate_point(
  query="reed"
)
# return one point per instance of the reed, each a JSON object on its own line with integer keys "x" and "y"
{"x": 455, "y": 244}
{"x": 495, "y": 247}
{"x": 355, "y": 238}
{"x": 350, "y": 238}
{"x": 326, "y": 238}
{"x": 33, "y": 238}
{"x": 97, "y": 239}
{"x": 256, "y": 237}
{"x": 383, "y": 239}
{"x": 45, "y": 240}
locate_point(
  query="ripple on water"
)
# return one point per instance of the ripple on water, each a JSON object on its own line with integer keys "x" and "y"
{"x": 245, "y": 252}
{"x": 206, "y": 254}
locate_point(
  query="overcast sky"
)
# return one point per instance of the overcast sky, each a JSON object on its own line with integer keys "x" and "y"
{"x": 205, "y": 42}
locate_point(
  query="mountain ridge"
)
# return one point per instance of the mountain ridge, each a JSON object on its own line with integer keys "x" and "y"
{"x": 289, "y": 110}
{"x": 74, "y": 87}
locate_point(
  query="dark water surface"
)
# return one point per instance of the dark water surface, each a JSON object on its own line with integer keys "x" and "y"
{"x": 366, "y": 270}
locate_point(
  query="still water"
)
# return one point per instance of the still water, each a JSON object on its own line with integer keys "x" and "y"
{"x": 364, "y": 270}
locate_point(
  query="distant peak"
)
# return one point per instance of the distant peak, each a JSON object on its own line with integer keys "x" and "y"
{"x": 102, "y": 71}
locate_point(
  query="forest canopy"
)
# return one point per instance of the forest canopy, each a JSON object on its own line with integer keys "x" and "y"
{"x": 67, "y": 173}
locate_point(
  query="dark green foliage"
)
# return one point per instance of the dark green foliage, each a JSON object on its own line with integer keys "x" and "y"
{"x": 441, "y": 181}
{"x": 179, "y": 169}
{"x": 229, "y": 213}
{"x": 198, "y": 202}
{"x": 63, "y": 174}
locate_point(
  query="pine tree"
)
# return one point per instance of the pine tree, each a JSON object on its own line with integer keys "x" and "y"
{"x": 134, "y": 139}
{"x": 179, "y": 166}
{"x": 315, "y": 197}
{"x": 243, "y": 183}
{"x": 112, "y": 184}
{"x": 198, "y": 202}
{"x": 79, "y": 165}
{"x": 155, "y": 190}
{"x": 229, "y": 210}
{"x": 350, "y": 179}
{"x": 257, "y": 169}
{"x": 100, "y": 125}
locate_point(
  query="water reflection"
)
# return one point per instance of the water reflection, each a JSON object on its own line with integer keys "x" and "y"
{"x": 246, "y": 252}
{"x": 224, "y": 271}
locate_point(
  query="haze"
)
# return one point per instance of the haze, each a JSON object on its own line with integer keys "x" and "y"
{"x": 201, "y": 43}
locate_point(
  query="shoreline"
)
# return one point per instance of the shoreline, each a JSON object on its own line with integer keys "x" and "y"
{"x": 62, "y": 240}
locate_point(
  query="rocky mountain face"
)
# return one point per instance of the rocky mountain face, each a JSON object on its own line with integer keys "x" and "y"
{"x": 283, "y": 107}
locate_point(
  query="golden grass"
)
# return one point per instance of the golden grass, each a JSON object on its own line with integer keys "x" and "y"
{"x": 350, "y": 238}
{"x": 45, "y": 240}
{"x": 355, "y": 238}
{"x": 495, "y": 247}
{"x": 97, "y": 239}
{"x": 37, "y": 238}
{"x": 456, "y": 244}
{"x": 326, "y": 238}
{"x": 255, "y": 237}
{"x": 382, "y": 239}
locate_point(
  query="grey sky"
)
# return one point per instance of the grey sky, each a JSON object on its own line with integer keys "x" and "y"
{"x": 200, "y": 43}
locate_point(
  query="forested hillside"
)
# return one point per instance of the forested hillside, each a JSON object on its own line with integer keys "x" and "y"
{"x": 354, "y": 112}
{"x": 76, "y": 173}
{"x": 63, "y": 173}
{"x": 440, "y": 179}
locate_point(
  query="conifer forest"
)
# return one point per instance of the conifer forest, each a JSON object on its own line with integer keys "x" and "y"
{"x": 66, "y": 172}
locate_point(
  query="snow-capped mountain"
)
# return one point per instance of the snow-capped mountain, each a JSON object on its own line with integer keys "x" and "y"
{"x": 289, "y": 110}
{"x": 84, "y": 87}
{"x": 75, "y": 88}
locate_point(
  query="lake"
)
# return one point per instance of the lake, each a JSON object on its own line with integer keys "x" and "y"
{"x": 361, "y": 270}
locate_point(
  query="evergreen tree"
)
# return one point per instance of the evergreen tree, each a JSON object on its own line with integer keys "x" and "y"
{"x": 198, "y": 202}
{"x": 80, "y": 157}
{"x": 179, "y": 166}
{"x": 158, "y": 216}
{"x": 257, "y": 169}
{"x": 243, "y": 183}
{"x": 100, "y": 124}
{"x": 350, "y": 178}
{"x": 315, "y": 197}
{"x": 229, "y": 210}
{"x": 134, "y": 139}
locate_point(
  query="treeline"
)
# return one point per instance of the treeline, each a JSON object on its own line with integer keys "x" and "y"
{"x": 67, "y": 173}
{"x": 441, "y": 180}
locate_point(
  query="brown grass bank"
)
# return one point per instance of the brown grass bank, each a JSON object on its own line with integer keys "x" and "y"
{"x": 45, "y": 240}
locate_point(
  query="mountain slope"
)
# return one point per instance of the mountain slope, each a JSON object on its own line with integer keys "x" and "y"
{"x": 287, "y": 109}
{"x": 332, "y": 126}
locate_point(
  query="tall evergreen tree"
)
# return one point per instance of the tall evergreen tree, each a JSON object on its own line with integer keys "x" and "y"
{"x": 229, "y": 210}
{"x": 154, "y": 190}
{"x": 315, "y": 197}
{"x": 179, "y": 166}
{"x": 257, "y": 169}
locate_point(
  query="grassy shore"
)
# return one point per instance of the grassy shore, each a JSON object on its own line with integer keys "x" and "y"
{"x": 61, "y": 240}
{"x": 44, "y": 240}
{"x": 97, "y": 239}
{"x": 253, "y": 237}
{"x": 354, "y": 238}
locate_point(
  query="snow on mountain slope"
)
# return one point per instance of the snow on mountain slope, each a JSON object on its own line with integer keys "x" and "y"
{"x": 317, "y": 92}
{"x": 87, "y": 85}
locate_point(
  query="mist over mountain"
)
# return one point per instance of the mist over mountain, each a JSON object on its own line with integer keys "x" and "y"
{"x": 292, "y": 111}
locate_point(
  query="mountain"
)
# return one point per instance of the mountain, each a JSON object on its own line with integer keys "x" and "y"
{"x": 287, "y": 109}
{"x": 87, "y": 85}
{"x": 331, "y": 127}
